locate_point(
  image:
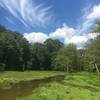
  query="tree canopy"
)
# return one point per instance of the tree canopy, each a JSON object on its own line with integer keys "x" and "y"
{"x": 16, "y": 53}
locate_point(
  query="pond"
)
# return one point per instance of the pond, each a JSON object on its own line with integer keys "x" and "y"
{"x": 25, "y": 88}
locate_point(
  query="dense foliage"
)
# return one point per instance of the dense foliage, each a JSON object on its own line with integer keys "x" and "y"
{"x": 92, "y": 52}
{"x": 66, "y": 59}
{"x": 14, "y": 50}
{"x": 16, "y": 53}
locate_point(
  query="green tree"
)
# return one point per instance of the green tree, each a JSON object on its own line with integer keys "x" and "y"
{"x": 39, "y": 56}
{"x": 61, "y": 61}
{"x": 92, "y": 54}
{"x": 66, "y": 58}
{"x": 13, "y": 49}
{"x": 80, "y": 59}
{"x": 53, "y": 47}
{"x": 97, "y": 28}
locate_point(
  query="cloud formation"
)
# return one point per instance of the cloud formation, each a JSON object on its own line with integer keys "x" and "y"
{"x": 78, "y": 36}
{"x": 90, "y": 16}
{"x": 65, "y": 33}
{"x": 62, "y": 32}
{"x": 80, "y": 40}
{"x": 27, "y": 11}
{"x": 36, "y": 37}
{"x": 95, "y": 13}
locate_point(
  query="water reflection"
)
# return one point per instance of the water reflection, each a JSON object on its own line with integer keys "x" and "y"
{"x": 25, "y": 88}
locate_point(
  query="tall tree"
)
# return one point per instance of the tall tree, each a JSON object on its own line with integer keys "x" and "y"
{"x": 97, "y": 27}
{"x": 66, "y": 58}
{"x": 52, "y": 47}
{"x": 80, "y": 59}
{"x": 92, "y": 55}
{"x": 12, "y": 49}
{"x": 39, "y": 56}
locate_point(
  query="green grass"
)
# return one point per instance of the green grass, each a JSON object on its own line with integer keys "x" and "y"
{"x": 76, "y": 86}
{"x": 9, "y": 78}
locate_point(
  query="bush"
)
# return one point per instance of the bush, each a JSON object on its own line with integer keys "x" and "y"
{"x": 2, "y": 67}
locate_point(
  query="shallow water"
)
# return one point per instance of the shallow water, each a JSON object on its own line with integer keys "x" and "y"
{"x": 25, "y": 88}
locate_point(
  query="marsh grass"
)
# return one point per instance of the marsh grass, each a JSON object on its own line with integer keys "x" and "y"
{"x": 76, "y": 86}
{"x": 7, "y": 79}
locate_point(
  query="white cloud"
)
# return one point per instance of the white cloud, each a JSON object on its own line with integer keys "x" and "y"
{"x": 81, "y": 34}
{"x": 89, "y": 18}
{"x": 32, "y": 14}
{"x": 78, "y": 39}
{"x": 92, "y": 35}
{"x": 65, "y": 33}
{"x": 81, "y": 39}
{"x": 95, "y": 13}
{"x": 36, "y": 37}
{"x": 27, "y": 11}
{"x": 62, "y": 32}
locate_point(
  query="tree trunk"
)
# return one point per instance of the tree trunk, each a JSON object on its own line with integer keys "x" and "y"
{"x": 98, "y": 72}
{"x": 23, "y": 68}
{"x": 67, "y": 69}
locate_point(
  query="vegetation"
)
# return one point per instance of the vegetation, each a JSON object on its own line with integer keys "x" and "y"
{"x": 92, "y": 53}
{"x": 14, "y": 50}
{"x": 7, "y": 79}
{"x": 66, "y": 59}
{"x": 76, "y": 86}
{"x": 16, "y": 53}
{"x": 20, "y": 58}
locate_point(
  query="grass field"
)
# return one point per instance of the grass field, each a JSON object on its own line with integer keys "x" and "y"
{"x": 76, "y": 86}
{"x": 11, "y": 77}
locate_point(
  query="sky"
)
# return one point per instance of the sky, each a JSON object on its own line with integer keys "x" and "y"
{"x": 70, "y": 21}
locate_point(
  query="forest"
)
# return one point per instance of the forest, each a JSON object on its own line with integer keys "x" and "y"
{"x": 49, "y": 49}
{"x": 17, "y": 54}
{"x": 49, "y": 70}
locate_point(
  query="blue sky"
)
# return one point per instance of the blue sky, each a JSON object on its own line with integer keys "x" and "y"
{"x": 37, "y": 20}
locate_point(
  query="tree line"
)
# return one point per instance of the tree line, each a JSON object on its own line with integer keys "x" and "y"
{"x": 17, "y": 54}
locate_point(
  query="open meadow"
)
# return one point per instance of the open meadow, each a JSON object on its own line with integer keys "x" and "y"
{"x": 75, "y": 86}
{"x": 37, "y": 85}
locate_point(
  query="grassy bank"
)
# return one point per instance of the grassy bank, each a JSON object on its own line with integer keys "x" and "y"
{"x": 77, "y": 86}
{"x": 9, "y": 78}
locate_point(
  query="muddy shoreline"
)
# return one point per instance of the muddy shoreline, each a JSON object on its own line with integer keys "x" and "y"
{"x": 25, "y": 88}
